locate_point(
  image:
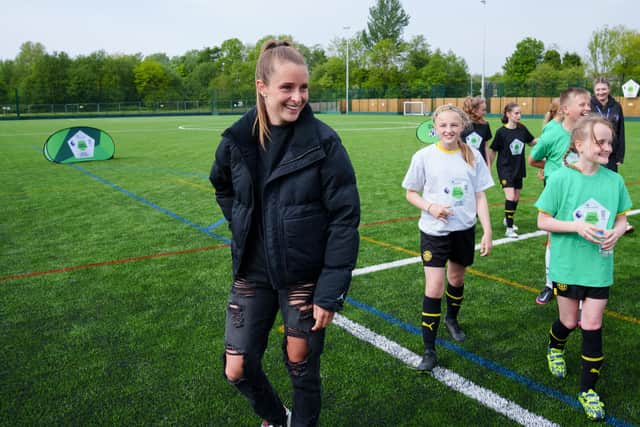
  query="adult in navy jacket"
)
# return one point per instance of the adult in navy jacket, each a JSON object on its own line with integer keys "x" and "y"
{"x": 286, "y": 186}
{"x": 605, "y": 105}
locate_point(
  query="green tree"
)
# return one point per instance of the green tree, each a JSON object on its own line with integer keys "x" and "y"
{"x": 545, "y": 80}
{"x": 628, "y": 65}
{"x": 445, "y": 75}
{"x": 571, "y": 59}
{"x": 328, "y": 77}
{"x": 525, "y": 59}
{"x": 152, "y": 80}
{"x": 7, "y": 78}
{"x": 604, "y": 49}
{"x": 552, "y": 57}
{"x": 387, "y": 20}
{"x": 86, "y": 78}
{"x": 118, "y": 79}
{"x": 48, "y": 81}
{"x": 25, "y": 64}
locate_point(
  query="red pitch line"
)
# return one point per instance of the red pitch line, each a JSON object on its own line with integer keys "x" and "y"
{"x": 415, "y": 217}
{"x": 112, "y": 262}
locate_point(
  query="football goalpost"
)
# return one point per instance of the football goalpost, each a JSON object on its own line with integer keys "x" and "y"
{"x": 413, "y": 108}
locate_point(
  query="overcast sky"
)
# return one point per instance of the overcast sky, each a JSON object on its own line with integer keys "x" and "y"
{"x": 79, "y": 27}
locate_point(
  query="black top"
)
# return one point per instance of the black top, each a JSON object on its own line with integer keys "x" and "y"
{"x": 254, "y": 265}
{"x": 310, "y": 205}
{"x": 509, "y": 144}
{"x": 612, "y": 111}
{"x": 478, "y": 136}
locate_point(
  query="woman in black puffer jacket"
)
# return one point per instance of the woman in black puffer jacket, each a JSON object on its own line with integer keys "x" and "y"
{"x": 285, "y": 184}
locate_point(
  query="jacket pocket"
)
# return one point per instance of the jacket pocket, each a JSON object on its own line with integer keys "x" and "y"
{"x": 305, "y": 241}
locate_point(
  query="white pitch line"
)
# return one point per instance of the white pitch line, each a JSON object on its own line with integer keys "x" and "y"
{"x": 417, "y": 259}
{"x": 449, "y": 378}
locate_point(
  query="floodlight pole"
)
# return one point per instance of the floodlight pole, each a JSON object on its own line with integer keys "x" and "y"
{"x": 484, "y": 42}
{"x": 347, "y": 73}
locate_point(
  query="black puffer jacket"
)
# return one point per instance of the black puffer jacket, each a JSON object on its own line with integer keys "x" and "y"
{"x": 613, "y": 113}
{"x": 311, "y": 207}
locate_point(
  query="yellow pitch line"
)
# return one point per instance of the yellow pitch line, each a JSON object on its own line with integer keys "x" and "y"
{"x": 389, "y": 245}
{"x": 499, "y": 279}
{"x": 202, "y": 187}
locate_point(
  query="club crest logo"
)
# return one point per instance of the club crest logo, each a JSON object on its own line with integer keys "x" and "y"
{"x": 562, "y": 287}
{"x": 456, "y": 191}
{"x": 81, "y": 145}
{"x": 592, "y": 212}
{"x": 474, "y": 140}
{"x": 516, "y": 147}
{"x": 426, "y": 256}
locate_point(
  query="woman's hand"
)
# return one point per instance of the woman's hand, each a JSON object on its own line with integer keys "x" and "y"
{"x": 323, "y": 317}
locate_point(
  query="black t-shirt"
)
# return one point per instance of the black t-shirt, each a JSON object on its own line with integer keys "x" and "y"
{"x": 254, "y": 266}
{"x": 477, "y": 136}
{"x": 509, "y": 144}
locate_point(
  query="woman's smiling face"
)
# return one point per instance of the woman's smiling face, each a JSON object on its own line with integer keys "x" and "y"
{"x": 287, "y": 92}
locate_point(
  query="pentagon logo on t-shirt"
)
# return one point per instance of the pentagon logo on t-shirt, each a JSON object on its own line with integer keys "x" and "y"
{"x": 592, "y": 212}
{"x": 474, "y": 140}
{"x": 516, "y": 147}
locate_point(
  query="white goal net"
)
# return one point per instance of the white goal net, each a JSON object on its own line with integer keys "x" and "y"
{"x": 413, "y": 108}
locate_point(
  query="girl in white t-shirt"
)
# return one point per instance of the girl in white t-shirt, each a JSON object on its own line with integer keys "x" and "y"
{"x": 446, "y": 181}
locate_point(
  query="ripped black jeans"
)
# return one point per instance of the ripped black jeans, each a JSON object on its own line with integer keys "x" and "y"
{"x": 251, "y": 313}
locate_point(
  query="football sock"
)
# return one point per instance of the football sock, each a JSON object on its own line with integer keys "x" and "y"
{"x": 592, "y": 358}
{"x": 558, "y": 335}
{"x": 455, "y": 297}
{"x": 509, "y": 211}
{"x": 430, "y": 321}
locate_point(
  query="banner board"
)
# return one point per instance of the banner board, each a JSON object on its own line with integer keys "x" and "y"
{"x": 79, "y": 144}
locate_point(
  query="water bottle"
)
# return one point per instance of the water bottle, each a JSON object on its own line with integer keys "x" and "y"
{"x": 604, "y": 252}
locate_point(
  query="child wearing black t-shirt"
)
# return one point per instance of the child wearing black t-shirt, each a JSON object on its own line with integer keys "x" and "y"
{"x": 509, "y": 145}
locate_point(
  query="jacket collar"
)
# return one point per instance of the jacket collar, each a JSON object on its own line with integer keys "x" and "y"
{"x": 303, "y": 137}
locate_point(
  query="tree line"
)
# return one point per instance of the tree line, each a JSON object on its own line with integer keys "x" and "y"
{"x": 381, "y": 63}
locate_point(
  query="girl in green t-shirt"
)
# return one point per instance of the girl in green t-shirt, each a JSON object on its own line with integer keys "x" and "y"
{"x": 584, "y": 208}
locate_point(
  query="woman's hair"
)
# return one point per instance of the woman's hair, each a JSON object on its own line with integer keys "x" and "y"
{"x": 601, "y": 79}
{"x": 507, "y": 109}
{"x": 272, "y": 52}
{"x": 553, "y": 112}
{"x": 471, "y": 105}
{"x": 467, "y": 154}
{"x": 583, "y": 131}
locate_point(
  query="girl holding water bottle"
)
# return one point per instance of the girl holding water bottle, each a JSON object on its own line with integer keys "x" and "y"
{"x": 584, "y": 208}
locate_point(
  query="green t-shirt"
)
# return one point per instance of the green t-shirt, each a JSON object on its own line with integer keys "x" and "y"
{"x": 552, "y": 146}
{"x": 572, "y": 196}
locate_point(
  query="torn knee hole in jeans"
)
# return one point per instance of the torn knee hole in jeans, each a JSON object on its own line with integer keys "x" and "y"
{"x": 237, "y": 315}
{"x": 230, "y": 351}
{"x": 243, "y": 288}
{"x": 296, "y": 333}
{"x": 297, "y": 369}
{"x": 300, "y": 297}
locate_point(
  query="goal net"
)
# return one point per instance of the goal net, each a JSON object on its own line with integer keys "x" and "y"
{"x": 413, "y": 108}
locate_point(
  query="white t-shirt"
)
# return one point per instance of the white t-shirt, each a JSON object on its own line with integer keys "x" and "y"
{"x": 445, "y": 178}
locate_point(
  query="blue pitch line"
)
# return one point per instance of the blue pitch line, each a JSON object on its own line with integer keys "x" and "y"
{"x": 216, "y": 224}
{"x": 153, "y": 205}
{"x": 162, "y": 170}
{"x": 486, "y": 363}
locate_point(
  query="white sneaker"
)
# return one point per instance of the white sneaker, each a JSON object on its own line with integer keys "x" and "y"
{"x": 265, "y": 423}
{"x": 511, "y": 233}
{"x": 504, "y": 222}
